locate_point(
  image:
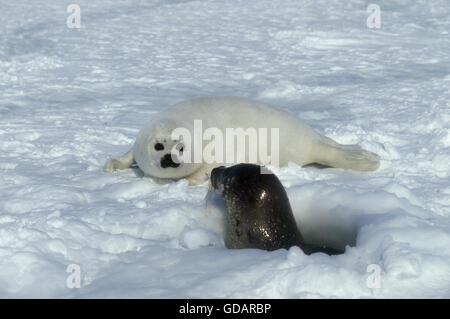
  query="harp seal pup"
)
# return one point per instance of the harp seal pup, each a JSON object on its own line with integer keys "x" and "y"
{"x": 298, "y": 142}
{"x": 258, "y": 212}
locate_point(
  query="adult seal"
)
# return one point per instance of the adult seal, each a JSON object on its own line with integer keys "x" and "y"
{"x": 259, "y": 214}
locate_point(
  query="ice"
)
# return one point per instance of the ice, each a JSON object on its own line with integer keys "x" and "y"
{"x": 72, "y": 98}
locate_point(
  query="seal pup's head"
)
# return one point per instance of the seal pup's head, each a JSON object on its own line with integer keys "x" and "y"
{"x": 159, "y": 155}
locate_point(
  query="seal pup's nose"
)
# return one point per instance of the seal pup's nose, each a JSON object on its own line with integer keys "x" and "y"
{"x": 167, "y": 161}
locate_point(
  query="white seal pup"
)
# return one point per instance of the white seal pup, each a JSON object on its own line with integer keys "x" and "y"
{"x": 299, "y": 143}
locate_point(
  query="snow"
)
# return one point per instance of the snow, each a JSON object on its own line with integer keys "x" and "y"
{"x": 71, "y": 98}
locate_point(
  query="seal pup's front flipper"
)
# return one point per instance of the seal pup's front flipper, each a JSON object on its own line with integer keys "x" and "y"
{"x": 118, "y": 163}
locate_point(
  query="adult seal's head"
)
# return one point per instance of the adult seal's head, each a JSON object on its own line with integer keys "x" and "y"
{"x": 258, "y": 211}
{"x": 259, "y": 214}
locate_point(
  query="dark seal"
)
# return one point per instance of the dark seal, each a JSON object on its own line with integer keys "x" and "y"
{"x": 259, "y": 214}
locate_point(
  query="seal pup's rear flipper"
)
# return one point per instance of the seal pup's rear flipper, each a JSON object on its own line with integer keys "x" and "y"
{"x": 331, "y": 153}
{"x": 122, "y": 162}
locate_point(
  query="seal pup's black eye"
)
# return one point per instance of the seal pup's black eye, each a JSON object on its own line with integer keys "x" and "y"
{"x": 159, "y": 147}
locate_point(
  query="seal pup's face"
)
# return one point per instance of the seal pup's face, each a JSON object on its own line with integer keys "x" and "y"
{"x": 158, "y": 154}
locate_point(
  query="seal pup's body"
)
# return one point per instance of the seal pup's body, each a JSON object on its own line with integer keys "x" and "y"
{"x": 298, "y": 142}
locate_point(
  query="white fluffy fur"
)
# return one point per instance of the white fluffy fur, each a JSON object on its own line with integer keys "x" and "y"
{"x": 299, "y": 143}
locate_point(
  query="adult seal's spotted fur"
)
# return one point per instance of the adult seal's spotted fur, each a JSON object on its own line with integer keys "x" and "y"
{"x": 259, "y": 214}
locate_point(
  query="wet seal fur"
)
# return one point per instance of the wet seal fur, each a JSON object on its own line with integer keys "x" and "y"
{"x": 259, "y": 214}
